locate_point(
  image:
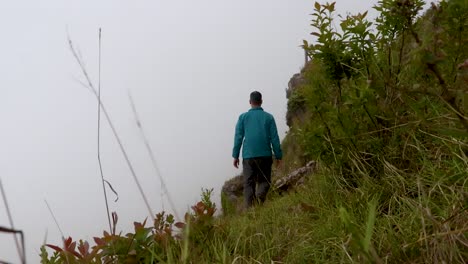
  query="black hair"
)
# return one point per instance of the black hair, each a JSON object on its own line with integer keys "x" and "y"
{"x": 256, "y": 97}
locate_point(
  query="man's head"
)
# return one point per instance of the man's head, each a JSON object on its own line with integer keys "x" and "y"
{"x": 255, "y": 98}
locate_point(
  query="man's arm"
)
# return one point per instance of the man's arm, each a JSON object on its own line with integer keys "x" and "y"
{"x": 238, "y": 139}
{"x": 275, "y": 142}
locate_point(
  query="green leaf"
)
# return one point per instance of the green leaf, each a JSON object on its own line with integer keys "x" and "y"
{"x": 364, "y": 15}
{"x": 370, "y": 224}
{"x": 344, "y": 216}
{"x": 317, "y": 6}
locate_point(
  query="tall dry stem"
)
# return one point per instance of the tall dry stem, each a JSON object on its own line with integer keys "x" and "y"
{"x": 90, "y": 86}
{"x": 153, "y": 158}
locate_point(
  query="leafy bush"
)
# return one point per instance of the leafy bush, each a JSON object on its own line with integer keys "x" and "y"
{"x": 158, "y": 243}
{"x": 387, "y": 116}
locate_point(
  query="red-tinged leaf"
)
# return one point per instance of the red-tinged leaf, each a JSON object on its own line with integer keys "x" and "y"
{"x": 83, "y": 248}
{"x": 76, "y": 254}
{"x": 71, "y": 247}
{"x": 54, "y": 248}
{"x": 99, "y": 241}
{"x": 180, "y": 225}
{"x": 68, "y": 241}
{"x": 199, "y": 208}
{"x": 211, "y": 211}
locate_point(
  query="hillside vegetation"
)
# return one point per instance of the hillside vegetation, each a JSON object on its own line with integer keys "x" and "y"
{"x": 382, "y": 107}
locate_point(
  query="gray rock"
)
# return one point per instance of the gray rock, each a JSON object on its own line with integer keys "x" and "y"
{"x": 296, "y": 177}
{"x": 295, "y": 81}
{"x": 233, "y": 190}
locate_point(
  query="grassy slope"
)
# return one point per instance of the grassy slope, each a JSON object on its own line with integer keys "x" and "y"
{"x": 392, "y": 185}
{"x": 392, "y": 151}
{"x": 325, "y": 221}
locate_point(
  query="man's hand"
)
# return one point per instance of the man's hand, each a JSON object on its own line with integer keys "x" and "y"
{"x": 278, "y": 163}
{"x": 236, "y": 163}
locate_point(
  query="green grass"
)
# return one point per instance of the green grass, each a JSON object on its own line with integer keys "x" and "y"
{"x": 327, "y": 222}
{"x": 384, "y": 117}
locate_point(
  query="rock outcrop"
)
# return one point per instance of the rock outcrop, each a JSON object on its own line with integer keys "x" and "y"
{"x": 295, "y": 81}
{"x": 296, "y": 106}
{"x": 233, "y": 189}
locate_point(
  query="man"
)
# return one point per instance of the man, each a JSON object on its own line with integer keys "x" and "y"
{"x": 256, "y": 131}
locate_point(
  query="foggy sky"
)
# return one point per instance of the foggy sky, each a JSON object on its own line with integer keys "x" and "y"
{"x": 190, "y": 66}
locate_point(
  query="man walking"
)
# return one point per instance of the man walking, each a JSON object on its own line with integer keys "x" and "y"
{"x": 256, "y": 131}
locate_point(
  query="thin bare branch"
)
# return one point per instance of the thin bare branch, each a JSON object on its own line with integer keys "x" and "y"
{"x": 113, "y": 190}
{"x": 111, "y": 125}
{"x": 151, "y": 154}
{"x": 55, "y": 219}
{"x": 99, "y": 137}
{"x": 80, "y": 82}
{"x": 10, "y": 219}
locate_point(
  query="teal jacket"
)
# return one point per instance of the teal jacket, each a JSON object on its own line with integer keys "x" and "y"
{"x": 256, "y": 131}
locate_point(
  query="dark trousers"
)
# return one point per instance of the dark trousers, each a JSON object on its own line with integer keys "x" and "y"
{"x": 256, "y": 171}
